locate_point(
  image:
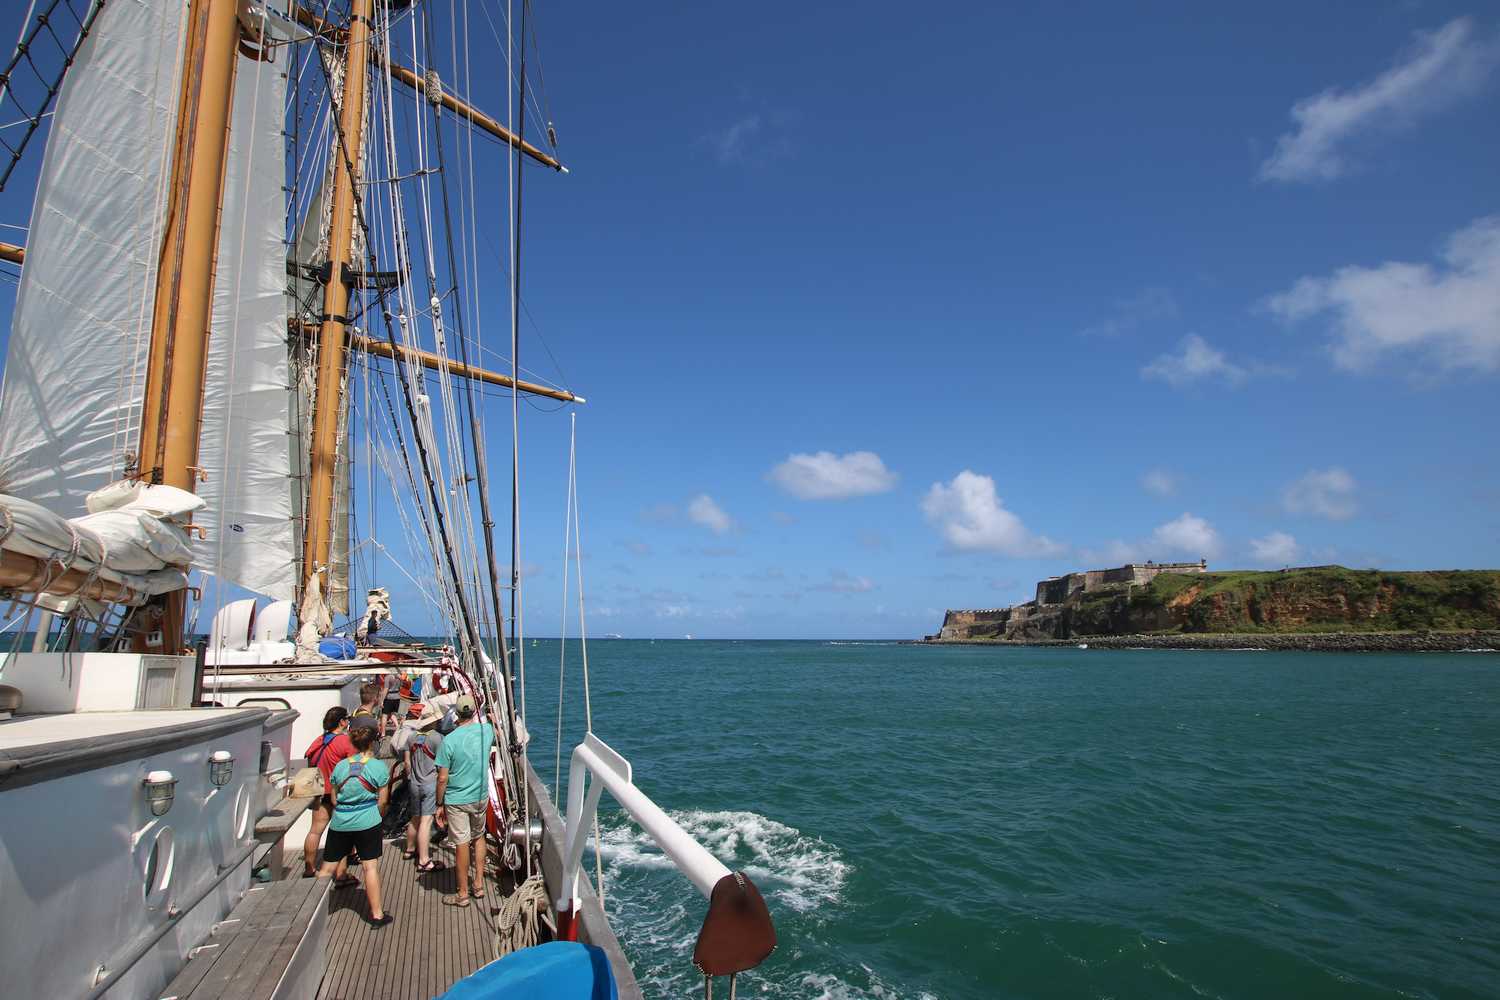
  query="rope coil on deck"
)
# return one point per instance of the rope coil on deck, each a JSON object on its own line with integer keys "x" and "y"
{"x": 518, "y": 924}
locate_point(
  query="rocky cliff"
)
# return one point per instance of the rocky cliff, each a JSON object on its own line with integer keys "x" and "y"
{"x": 1316, "y": 599}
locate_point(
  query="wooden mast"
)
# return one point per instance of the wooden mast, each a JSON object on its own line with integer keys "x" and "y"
{"x": 334, "y": 329}
{"x": 182, "y": 306}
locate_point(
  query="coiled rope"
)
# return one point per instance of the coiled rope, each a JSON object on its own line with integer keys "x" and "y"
{"x": 518, "y": 924}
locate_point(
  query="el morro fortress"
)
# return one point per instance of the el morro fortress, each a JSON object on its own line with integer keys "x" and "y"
{"x": 1046, "y": 616}
{"x": 1185, "y": 605}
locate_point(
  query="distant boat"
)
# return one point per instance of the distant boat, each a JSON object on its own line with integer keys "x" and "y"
{"x": 1083, "y": 645}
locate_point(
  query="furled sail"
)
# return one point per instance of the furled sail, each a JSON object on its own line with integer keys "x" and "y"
{"x": 250, "y": 538}
{"x": 75, "y": 372}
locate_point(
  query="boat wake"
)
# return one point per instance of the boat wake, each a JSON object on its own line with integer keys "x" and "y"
{"x": 801, "y": 872}
{"x": 657, "y": 914}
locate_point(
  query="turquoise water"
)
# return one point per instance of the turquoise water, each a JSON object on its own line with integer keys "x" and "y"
{"x": 970, "y": 822}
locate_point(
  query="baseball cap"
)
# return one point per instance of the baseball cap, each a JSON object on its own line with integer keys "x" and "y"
{"x": 464, "y": 705}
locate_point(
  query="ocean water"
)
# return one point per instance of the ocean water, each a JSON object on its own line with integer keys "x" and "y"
{"x": 969, "y": 822}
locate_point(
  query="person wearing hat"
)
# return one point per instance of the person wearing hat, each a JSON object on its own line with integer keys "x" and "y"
{"x": 462, "y": 794}
{"x": 419, "y": 746}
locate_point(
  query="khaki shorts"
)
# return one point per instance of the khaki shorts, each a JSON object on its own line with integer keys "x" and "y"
{"x": 466, "y": 822}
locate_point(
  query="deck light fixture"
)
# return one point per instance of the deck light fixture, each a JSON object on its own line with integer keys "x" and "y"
{"x": 161, "y": 787}
{"x": 220, "y": 767}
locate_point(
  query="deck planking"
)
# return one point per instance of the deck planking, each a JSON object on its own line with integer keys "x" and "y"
{"x": 426, "y": 950}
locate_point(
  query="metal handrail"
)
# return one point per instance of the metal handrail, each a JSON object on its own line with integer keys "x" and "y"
{"x": 610, "y": 770}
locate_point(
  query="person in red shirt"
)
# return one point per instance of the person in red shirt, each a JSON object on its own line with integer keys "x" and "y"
{"x": 325, "y": 752}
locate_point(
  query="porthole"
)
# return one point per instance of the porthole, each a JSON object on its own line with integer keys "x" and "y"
{"x": 242, "y": 812}
{"x": 156, "y": 874}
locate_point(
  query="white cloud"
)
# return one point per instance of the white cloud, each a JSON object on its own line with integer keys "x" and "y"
{"x": 1159, "y": 482}
{"x": 1197, "y": 360}
{"x": 1146, "y": 306}
{"x": 753, "y": 140}
{"x": 1276, "y": 549}
{"x": 702, "y": 510}
{"x": 732, "y": 143}
{"x": 972, "y": 518}
{"x": 673, "y": 610}
{"x": 1322, "y": 493}
{"x": 1188, "y": 535}
{"x": 826, "y": 476}
{"x": 1446, "y": 316}
{"x": 1442, "y": 67}
{"x": 841, "y": 582}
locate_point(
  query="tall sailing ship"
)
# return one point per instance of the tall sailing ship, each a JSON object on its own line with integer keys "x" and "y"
{"x": 251, "y": 268}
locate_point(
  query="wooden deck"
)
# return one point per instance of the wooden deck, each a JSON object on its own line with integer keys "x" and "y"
{"x": 427, "y": 949}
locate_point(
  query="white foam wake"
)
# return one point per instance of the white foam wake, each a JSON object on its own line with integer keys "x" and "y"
{"x": 800, "y": 871}
{"x": 823, "y": 986}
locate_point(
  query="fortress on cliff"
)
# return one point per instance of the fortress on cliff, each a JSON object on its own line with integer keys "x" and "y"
{"x": 1055, "y": 590}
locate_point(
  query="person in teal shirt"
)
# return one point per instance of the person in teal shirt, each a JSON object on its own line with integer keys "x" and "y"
{"x": 361, "y": 790}
{"x": 463, "y": 763}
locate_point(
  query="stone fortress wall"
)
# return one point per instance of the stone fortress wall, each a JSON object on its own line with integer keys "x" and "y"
{"x": 1057, "y": 589}
{"x": 999, "y": 622}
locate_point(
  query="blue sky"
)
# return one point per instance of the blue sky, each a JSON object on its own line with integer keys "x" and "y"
{"x": 883, "y": 314}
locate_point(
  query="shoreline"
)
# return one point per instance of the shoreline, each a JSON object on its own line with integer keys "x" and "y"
{"x": 1322, "y": 642}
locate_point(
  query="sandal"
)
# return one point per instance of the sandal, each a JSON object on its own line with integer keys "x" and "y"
{"x": 347, "y": 882}
{"x": 456, "y": 901}
{"x": 408, "y": 855}
{"x": 430, "y": 866}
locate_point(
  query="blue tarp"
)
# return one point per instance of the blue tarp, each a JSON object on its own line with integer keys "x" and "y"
{"x": 558, "y": 970}
{"x": 336, "y": 647}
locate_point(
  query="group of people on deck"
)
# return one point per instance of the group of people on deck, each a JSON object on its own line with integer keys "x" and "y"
{"x": 446, "y": 759}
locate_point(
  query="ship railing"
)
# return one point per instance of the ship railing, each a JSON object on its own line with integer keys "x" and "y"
{"x": 737, "y": 933}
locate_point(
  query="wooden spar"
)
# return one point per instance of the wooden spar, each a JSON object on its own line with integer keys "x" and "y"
{"x": 333, "y": 333}
{"x": 316, "y": 24}
{"x": 436, "y": 362}
{"x": 182, "y": 305}
{"x": 183, "y": 302}
{"x": 12, "y": 253}
{"x": 19, "y": 571}
{"x": 457, "y": 105}
{"x": 472, "y": 114}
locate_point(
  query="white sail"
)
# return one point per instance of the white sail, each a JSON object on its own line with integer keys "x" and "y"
{"x": 74, "y": 375}
{"x": 250, "y": 537}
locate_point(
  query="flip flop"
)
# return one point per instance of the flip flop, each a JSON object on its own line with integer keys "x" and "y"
{"x": 456, "y": 901}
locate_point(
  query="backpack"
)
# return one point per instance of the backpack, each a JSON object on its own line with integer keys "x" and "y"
{"x": 356, "y": 769}
{"x": 317, "y": 755}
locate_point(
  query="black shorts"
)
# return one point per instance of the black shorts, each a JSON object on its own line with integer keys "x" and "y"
{"x": 341, "y": 842}
{"x": 392, "y": 706}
